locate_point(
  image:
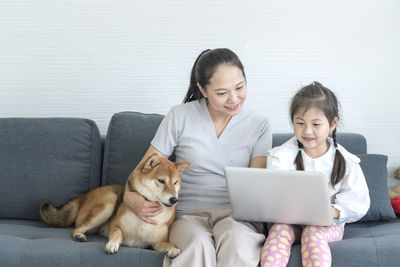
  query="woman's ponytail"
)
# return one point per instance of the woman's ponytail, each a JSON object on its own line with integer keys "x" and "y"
{"x": 193, "y": 92}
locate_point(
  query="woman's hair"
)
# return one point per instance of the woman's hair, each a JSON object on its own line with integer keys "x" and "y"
{"x": 205, "y": 66}
{"x": 318, "y": 96}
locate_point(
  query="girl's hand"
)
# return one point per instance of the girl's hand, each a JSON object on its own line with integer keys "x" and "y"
{"x": 141, "y": 207}
{"x": 335, "y": 213}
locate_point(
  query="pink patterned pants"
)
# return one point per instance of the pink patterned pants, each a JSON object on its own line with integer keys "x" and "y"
{"x": 314, "y": 244}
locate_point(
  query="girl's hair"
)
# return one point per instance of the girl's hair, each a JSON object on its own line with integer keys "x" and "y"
{"x": 318, "y": 96}
{"x": 205, "y": 66}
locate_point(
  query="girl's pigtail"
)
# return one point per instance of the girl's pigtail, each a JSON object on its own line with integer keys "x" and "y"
{"x": 299, "y": 158}
{"x": 339, "y": 164}
{"x": 193, "y": 92}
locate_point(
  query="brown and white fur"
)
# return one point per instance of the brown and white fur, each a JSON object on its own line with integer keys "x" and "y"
{"x": 102, "y": 209}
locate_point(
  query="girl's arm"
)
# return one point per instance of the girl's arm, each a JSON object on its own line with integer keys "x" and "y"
{"x": 352, "y": 199}
{"x": 137, "y": 203}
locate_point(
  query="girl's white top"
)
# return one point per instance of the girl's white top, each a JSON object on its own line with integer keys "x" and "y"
{"x": 350, "y": 196}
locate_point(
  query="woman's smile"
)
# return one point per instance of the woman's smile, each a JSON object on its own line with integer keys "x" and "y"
{"x": 233, "y": 107}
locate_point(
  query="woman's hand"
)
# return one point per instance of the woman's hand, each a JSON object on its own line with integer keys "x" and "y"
{"x": 141, "y": 207}
{"x": 335, "y": 213}
{"x": 137, "y": 203}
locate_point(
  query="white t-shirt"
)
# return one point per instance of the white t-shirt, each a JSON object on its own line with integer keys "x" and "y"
{"x": 350, "y": 196}
{"x": 188, "y": 131}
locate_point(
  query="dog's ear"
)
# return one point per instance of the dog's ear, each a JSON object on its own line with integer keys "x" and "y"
{"x": 182, "y": 166}
{"x": 151, "y": 162}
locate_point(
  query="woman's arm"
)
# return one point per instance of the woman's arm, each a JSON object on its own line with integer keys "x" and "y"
{"x": 137, "y": 203}
{"x": 258, "y": 162}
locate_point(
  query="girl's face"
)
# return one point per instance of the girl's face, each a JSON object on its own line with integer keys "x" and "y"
{"x": 226, "y": 91}
{"x": 312, "y": 129}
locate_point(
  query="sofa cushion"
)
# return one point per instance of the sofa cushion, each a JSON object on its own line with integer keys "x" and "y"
{"x": 374, "y": 243}
{"x": 46, "y": 158}
{"x": 375, "y": 172}
{"x": 31, "y": 243}
{"x": 128, "y": 138}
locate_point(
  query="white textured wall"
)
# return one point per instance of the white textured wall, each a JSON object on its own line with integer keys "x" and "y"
{"x": 92, "y": 58}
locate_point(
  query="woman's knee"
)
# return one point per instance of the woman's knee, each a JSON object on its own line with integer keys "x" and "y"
{"x": 230, "y": 235}
{"x": 201, "y": 239}
{"x": 233, "y": 234}
{"x": 184, "y": 235}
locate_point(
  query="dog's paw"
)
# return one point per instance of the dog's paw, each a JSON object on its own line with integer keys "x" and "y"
{"x": 173, "y": 252}
{"x": 79, "y": 237}
{"x": 112, "y": 247}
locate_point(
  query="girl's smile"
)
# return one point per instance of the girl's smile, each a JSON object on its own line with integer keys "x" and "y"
{"x": 312, "y": 129}
{"x": 308, "y": 139}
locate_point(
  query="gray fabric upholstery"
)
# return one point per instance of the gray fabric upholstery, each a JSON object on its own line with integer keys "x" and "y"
{"x": 57, "y": 159}
{"x": 364, "y": 244}
{"x": 46, "y": 158}
{"x": 375, "y": 172}
{"x": 30, "y": 243}
{"x": 128, "y": 138}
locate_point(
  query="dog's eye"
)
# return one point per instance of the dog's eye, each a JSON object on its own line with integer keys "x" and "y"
{"x": 175, "y": 182}
{"x": 161, "y": 181}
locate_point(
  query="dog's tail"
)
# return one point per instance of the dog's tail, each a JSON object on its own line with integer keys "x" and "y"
{"x": 63, "y": 216}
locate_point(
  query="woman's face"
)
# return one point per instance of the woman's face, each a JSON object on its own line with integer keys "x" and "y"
{"x": 226, "y": 91}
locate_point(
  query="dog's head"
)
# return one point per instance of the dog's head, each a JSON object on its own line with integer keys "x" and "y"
{"x": 158, "y": 179}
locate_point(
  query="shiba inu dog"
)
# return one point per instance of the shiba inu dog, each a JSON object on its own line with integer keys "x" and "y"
{"x": 102, "y": 209}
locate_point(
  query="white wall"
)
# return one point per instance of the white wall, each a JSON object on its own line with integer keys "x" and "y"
{"x": 92, "y": 58}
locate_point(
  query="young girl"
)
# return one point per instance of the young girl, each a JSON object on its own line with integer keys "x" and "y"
{"x": 314, "y": 114}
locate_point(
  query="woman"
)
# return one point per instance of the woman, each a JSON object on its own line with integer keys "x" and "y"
{"x": 212, "y": 130}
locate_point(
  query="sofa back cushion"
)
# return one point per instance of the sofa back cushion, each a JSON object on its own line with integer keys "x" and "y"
{"x": 130, "y": 133}
{"x": 376, "y": 175}
{"x": 52, "y": 159}
{"x": 128, "y": 137}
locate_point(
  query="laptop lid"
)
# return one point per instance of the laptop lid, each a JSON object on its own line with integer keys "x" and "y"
{"x": 278, "y": 196}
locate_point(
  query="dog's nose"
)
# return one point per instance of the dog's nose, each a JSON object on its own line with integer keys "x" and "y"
{"x": 173, "y": 200}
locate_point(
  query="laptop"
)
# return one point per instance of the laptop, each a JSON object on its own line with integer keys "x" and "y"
{"x": 278, "y": 196}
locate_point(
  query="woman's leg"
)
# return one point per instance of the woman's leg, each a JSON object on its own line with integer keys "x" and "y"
{"x": 237, "y": 243}
{"x": 315, "y": 250}
{"x": 276, "y": 250}
{"x": 191, "y": 233}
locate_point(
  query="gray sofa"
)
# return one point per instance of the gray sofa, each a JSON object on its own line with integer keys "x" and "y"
{"x": 60, "y": 158}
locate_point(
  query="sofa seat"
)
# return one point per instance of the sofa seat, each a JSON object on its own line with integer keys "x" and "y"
{"x": 364, "y": 244}
{"x": 31, "y": 243}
